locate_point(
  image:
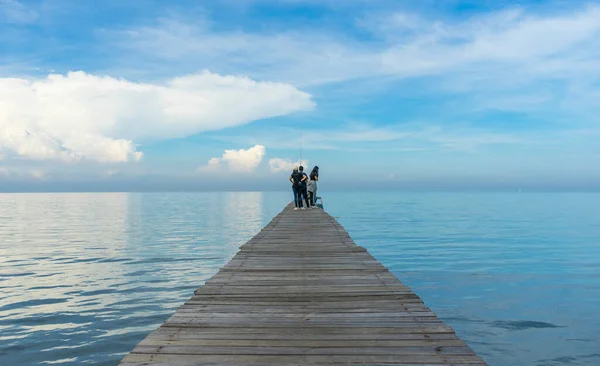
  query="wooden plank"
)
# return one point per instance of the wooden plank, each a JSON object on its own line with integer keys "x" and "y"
{"x": 208, "y": 334}
{"x": 312, "y": 329}
{"x": 183, "y": 359}
{"x": 301, "y": 351}
{"x": 154, "y": 341}
{"x": 252, "y": 309}
{"x": 286, "y": 300}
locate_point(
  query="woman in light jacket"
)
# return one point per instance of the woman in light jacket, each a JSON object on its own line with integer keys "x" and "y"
{"x": 312, "y": 186}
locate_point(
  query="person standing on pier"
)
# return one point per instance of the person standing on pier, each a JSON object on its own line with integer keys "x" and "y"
{"x": 295, "y": 180}
{"x": 312, "y": 186}
{"x": 303, "y": 184}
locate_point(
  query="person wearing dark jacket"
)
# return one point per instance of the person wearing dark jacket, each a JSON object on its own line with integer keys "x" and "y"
{"x": 302, "y": 188}
{"x": 295, "y": 180}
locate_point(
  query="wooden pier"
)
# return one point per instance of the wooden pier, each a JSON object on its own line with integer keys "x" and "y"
{"x": 301, "y": 292}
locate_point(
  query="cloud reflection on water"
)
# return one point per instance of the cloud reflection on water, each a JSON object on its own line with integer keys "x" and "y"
{"x": 85, "y": 276}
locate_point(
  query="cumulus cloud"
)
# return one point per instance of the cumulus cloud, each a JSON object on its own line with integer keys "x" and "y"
{"x": 282, "y": 165}
{"x": 214, "y": 163}
{"x": 82, "y": 116}
{"x": 237, "y": 160}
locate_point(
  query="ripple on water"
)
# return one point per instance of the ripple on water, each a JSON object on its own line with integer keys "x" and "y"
{"x": 30, "y": 303}
{"x": 523, "y": 325}
{"x": 22, "y": 274}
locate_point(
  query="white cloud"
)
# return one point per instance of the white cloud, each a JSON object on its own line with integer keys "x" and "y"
{"x": 281, "y": 165}
{"x": 301, "y": 58}
{"x": 498, "y": 55}
{"x": 237, "y": 160}
{"x": 214, "y": 163}
{"x": 244, "y": 159}
{"x": 82, "y": 116}
{"x": 497, "y": 52}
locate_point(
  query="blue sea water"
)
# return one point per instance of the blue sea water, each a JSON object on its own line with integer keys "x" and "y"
{"x": 85, "y": 276}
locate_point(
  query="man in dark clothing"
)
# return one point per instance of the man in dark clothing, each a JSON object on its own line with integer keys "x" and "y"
{"x": 303, "y": 187}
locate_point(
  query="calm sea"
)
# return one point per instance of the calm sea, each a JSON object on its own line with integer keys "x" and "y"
{"x": 85, "y": 277}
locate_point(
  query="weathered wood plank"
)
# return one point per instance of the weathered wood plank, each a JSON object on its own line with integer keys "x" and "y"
{"x": 288, "y": 309}
{"x": 301, "y": 351}
{"x": 154, "y": 341}
{"x": 177, "y": 359}
{"x": 289, "y": 299}
{"x": 208, "y": 334}
{"x": 332, "y": 329}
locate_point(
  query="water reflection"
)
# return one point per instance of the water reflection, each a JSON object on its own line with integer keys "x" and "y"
{"x": 48, "y": 240}
{"x": 516, "y": 275}
{"x": 84, "y": 277}
{"x": 243, "y": 212}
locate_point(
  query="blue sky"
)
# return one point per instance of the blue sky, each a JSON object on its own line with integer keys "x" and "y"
{"x": 164, "y": 95}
